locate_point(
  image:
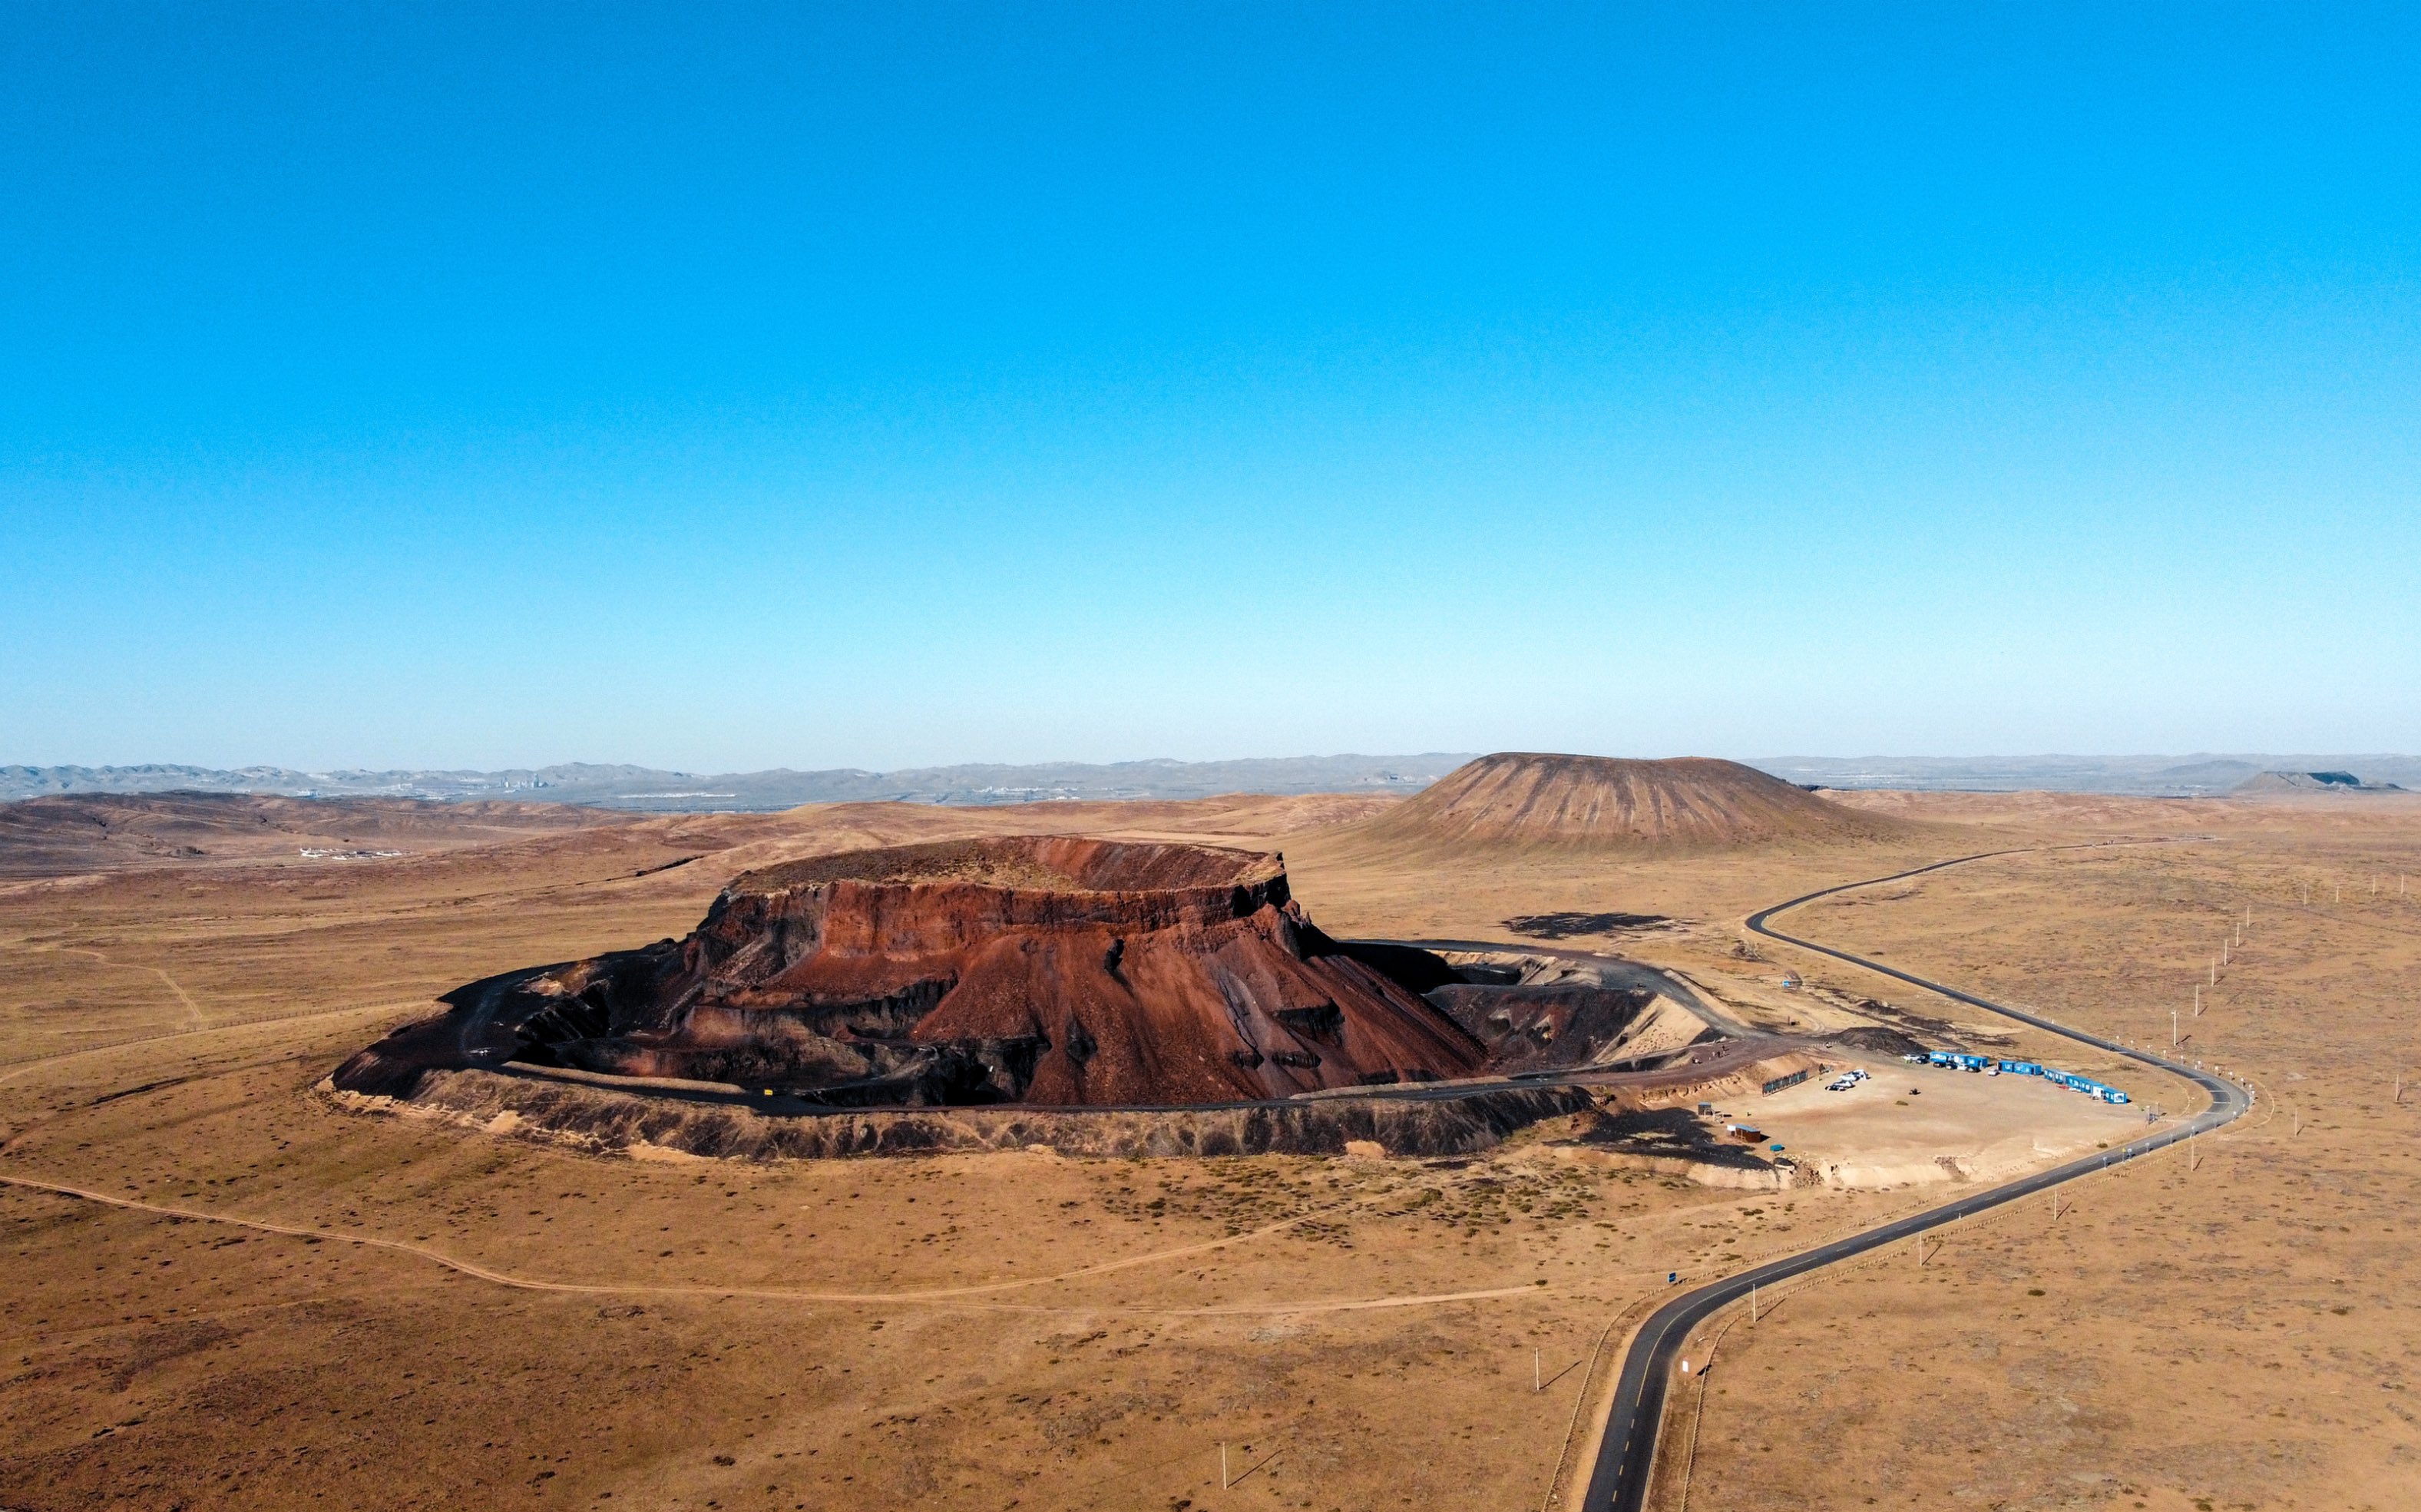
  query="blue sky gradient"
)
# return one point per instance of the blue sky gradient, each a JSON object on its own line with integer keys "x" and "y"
{"x": 720, "y": 387}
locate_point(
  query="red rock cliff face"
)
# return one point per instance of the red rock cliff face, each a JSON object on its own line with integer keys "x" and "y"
{"x": 1054, "y": 970}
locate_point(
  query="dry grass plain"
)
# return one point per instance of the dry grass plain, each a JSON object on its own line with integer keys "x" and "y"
{"x": 2232, "y": 1325}
{"x": 1023, "y": 1330}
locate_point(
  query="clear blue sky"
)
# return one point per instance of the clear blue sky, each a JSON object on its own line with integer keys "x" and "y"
{"x": 716, "y": 386}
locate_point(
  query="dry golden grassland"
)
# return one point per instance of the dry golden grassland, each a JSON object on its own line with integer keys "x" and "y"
{"x": 998, "y": 1331}
{"x": 2231, "y": 1325}
{"x": 540, "y": 1328}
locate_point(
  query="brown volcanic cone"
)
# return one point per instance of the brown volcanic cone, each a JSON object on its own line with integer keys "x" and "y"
{"x": 1051, "y": 969}
{"x": 1525, "y": 797}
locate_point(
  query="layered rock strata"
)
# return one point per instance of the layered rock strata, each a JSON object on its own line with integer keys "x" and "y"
{"x": 1053, "y": 971}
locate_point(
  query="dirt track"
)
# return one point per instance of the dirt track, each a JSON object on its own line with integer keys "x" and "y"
{"x": 951, "y": 1295}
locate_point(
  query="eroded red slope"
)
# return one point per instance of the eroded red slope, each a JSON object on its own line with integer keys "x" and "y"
{"x": 1050, "y": 970}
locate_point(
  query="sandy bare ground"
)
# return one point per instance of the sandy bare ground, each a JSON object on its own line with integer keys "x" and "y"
{"x": 1910, "y": 1126}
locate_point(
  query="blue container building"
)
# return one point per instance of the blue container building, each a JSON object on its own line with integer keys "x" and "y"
{"x": 1961, "y": 1060}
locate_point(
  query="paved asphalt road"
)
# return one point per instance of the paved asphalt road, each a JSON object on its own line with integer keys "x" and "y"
{"x": 1618, "y": 1481}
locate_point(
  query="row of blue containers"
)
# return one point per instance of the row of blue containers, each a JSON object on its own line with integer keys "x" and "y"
{"x": 1961, "y": 1060}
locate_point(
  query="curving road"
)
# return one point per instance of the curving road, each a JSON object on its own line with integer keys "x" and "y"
{"x": 1618, "y": 1480}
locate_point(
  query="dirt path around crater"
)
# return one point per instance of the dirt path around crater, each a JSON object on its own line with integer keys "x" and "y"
{"x": 941, "y": 1295}
{"x": 11, "y": 1071}
{"x": 201, "y": 1019}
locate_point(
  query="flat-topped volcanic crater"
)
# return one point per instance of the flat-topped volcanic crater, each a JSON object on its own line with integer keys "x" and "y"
{"x": 1526, "y": 797}
{"x": 1051, "y": 969}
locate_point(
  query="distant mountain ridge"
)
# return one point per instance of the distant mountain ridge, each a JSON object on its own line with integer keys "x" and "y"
{"x": 2199, "y": 775}
{"x": 2312, "y": 782}
{"x": 655, "y": 790}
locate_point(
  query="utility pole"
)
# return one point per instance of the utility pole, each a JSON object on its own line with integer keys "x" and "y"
{"x": 1752, "y": 1303}
{"x": 2214, "y": 970}
{"x": 2197, "y": 1013}
{"x": 2173, "y": 1028}
{"x": 1538, "y": 1371}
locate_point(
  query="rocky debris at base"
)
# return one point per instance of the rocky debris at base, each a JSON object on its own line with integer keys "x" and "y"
{"x": 607, "y": 1120}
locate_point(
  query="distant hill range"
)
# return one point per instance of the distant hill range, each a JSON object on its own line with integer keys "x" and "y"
{"x": 56, "y": 835}
{"x": 2149, "y": 776}
{"x": 651, "y": 790}
{"x": 2311, "y": 782}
